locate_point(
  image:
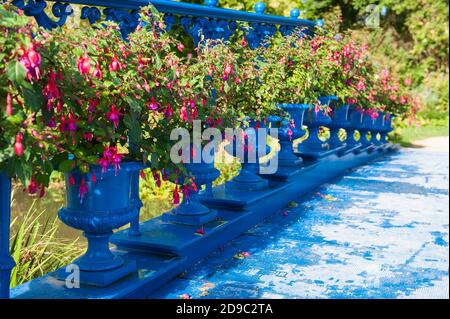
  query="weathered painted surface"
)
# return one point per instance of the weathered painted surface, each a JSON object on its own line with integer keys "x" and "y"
{"x": 380, "y": 232}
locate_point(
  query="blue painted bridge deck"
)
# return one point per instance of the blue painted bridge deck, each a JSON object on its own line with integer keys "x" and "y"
{"x": 379, "y": 232}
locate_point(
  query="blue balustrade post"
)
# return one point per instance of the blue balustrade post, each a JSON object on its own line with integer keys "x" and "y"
{"x": 248, "y": 177}
{"x": 356, "y": 118}
{"x": 340, "y": 120}
{"x": 191, "y": 211}
{"x": 6, "y": 261}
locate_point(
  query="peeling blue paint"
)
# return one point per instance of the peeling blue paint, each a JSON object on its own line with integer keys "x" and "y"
{"x": 385, "y": 236}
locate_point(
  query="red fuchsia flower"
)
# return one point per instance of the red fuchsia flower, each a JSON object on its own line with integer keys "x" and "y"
{"x": 42, "y": 192}
{"x": 393, "y": 97}
{"x": 408, "y": 81}
{"x": 115, "y": 65}
{"x": 153, "y": 105}
{"x": 71, "y": 180}
{"x": 373, "y": 114}
{"x": 18, "y": 146}
{"x": 168, "y": 112}
{"x": 71, "y": 123}
{"x": 180, "y": 47}
{"x": 82, "y": 190}
{"x": 157, "y": 178}
{"x": 114, "y": 116}
{"x": 9, "y": 110}
{"x": 51, "y": 90}
{"x": 200, "y": 232}
{"x": 116, "y": 160}
{"x": 243, "y": 42}
{"x": 84, "y": 65}
{"x": 31, "y": 60}
{"x": 361, "y": 86}
{"x": 184, "y": 114}
{"x": 51, "y": 122}
{"x": 32, "y": 187}
{"x": 103, "y": 162}
{"x": 94, "y": 178}
{"x": 176, "y": 196}
{"x": 97, "y": 73}
{"x": 88, "y": 136}
{"x": 404, "y": 99}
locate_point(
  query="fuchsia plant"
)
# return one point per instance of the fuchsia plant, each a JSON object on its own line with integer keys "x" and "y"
{"x": 82, "y": 97}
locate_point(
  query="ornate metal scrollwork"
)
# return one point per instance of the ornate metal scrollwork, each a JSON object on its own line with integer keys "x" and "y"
{"x": 127, "y": 20}
{"x": 201, "y": 29}
{"x": 93, "y": 14}
{"x": 258, "y": 34}
{"x": 35, "y": 8}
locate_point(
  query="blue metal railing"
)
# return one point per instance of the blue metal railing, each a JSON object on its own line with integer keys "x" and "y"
{"x": 208, "y": 17}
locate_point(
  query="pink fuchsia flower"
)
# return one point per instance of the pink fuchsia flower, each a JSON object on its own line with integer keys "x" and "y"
{"x": 176, "y": 196}
{"x": 9, "y": 110}
{"x": 18, "y": 146}
{"x": 42, "y": 192}
{"x": 243, "y": 41}
{"x": 180, "y": 47}
{"x": 403, "y": 99}
{"x": 168, "y": 112}
{"x": 84, "y": 65}
{"x": 51, "y": 90}
{"x": 116, "y": 160}
{"x": 114, "y": 116}
{"x": 408, "y": 81}
{"x": 157, "y": 178}
{"x": 71, "y": 180}
{"x": 32, "y": 186}
{"x": 115, "y": 65}
{"x": 184, "y": 114}
{"x": 103, "y": 162}
{"x": 200, "y": 232}
{"x": 97, "y": 73}
{"x": 153, "y": 105}
{"x": 31, "y": 60}
{"x": 361, "y": 86}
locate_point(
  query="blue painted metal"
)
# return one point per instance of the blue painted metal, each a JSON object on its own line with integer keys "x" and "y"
{"x": 356, "y": 118}
{"x": 6, "y": 261}
{"x": 340, "y": 120}
{"x": 107, "y": 205}
{"x": 191, "y": 211}
{"x": 288, "y": 131}
{"x": 166, "y": 249}
{"x": 313, "y": 147}
{"x": 248, "y": 178}
{"x": 214, "y": 22}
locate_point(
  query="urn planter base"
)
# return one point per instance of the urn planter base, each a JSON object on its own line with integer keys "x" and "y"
{"x": 100, "y": 278}
{"x": 193, "y": 220}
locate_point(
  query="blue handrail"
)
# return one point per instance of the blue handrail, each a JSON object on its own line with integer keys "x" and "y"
{"x": 193, "y": 17}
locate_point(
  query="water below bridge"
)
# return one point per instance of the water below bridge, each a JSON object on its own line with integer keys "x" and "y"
{"x": 382, "y": 231}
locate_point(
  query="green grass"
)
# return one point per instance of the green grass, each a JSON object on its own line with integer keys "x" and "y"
{"x": 408, "y": 135}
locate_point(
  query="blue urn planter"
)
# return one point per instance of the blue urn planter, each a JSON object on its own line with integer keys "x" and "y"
{"x": 248, "y": 178}
{"x": 386, "y": 127}
{"x": 366, "y": 126}
{"x": 191, "y": 211}
{"x": 107, "y": 205}
{"x": 287, "y": 133}
{"x": 313, "y": 146}
{"x": 355, "y": 118}
{"x": 340, "y": 119}
{"x": 377, "y": 127}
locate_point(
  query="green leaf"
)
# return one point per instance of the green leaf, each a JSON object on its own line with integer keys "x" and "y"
{"x": 16, "y": 72}
{"x": 65, "y": 166}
